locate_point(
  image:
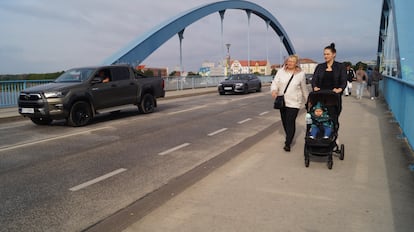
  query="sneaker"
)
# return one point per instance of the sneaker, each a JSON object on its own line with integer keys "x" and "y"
{"x": 286, "y": 148}
{"x": 311, "y": 137}
{"x": 372, "y": 98}
{"x": 326, "y": 137}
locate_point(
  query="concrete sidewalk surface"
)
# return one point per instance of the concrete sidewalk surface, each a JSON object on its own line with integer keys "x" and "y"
{"x": 267, "y": 189}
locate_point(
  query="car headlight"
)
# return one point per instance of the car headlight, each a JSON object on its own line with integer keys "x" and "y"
{"x": 239, "y": 84}
{"x": 55, "y": 94}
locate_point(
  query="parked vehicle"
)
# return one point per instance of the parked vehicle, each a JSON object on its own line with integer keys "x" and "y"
{"x": 240, "y": 83}
{"x": 81, "y": 93}
{"x": 308, "y": 78}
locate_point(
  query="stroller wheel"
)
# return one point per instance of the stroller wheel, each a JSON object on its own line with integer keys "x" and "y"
{"x": 342, "y": 154}
{"x": 330, "y": 164}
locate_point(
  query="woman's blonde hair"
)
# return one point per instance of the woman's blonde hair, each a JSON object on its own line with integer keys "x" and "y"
{"x": 296, "y": 57}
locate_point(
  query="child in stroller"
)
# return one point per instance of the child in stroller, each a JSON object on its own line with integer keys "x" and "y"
{"x": 322, "y": 132}
{"x": 321, "y": 122}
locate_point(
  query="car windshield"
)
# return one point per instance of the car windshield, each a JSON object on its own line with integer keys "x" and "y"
{"x": 238, "y": 77}
{"x": 75, "y": 75}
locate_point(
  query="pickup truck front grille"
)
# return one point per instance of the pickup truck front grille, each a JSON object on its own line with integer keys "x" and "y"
{"x": 30, "y": 96}
{"x": 31, "y": 100}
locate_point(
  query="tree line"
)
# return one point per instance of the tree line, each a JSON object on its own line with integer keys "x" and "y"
{"x": 31, "y": 76}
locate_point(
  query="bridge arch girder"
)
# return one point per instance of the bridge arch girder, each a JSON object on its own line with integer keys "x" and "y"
{"x": 139, "y": 49}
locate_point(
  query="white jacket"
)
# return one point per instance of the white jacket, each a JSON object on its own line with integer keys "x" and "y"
{"x": 297, "y": 90}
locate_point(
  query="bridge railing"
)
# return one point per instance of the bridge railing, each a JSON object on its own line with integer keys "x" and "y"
{"x": 9, "y": 90}
{"x": 399, "y": 95}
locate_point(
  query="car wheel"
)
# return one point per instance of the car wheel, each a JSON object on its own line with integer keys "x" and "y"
{"x": 41, "y": 121}
{"x": 80, "y": 114}
{"x": 259, "y": 89}
{"x": 147, "y": 104}
{"x": 246, "y": 89}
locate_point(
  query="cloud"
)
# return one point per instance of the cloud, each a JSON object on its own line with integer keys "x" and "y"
{"x": 48, "y": 35}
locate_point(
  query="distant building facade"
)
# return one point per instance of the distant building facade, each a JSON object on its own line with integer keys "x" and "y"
{"x": 307, "y": 65}
{"x": 158, "y": 72}
{"x": 261, "y": 67}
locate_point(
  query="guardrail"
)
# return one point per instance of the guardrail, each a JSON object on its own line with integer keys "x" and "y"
{"x": 9, "y": 90}
{"x": 399, "y": 95}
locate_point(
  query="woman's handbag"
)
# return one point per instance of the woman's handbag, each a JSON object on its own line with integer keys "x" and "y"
{"x": 280, "y": 100}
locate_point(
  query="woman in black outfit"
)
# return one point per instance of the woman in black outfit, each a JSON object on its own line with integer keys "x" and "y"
{"x": 330, "y": 75}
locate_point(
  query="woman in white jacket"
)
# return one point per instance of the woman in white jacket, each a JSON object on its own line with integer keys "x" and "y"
{"x": 295, "y": 93}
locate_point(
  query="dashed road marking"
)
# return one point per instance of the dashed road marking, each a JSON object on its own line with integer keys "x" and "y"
{"x": 217, "y": 131}
{"x": 174, "y": 149}
{"x": 96, "y": 180}
{"x": 243, "y": 121}
{"x": 263, "y": 113}
{"x": 186, "y": 110}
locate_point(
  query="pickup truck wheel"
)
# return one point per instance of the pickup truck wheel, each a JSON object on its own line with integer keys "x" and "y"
{"x": 147, "y": 104}
{"x": 41, "y": 121}
{"x": 80, "y": 114}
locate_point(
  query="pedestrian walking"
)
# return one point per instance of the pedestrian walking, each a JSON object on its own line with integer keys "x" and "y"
{"x": 290, "y": 81}
{"x": 375, "y": 79}
{"x": 350, "y": 77}
{"x": 330, "y": 75}
{"x": 361, "y": 82}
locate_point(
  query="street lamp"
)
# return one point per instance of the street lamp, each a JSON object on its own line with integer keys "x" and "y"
{"x": 228, "y": 59}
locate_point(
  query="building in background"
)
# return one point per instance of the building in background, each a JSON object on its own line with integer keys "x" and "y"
{"x": 158, "y": 72}
{"x": 307, "y": 65}
{"x": 261, "y": 67}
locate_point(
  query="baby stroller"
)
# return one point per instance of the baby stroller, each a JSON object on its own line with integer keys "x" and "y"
{"x": 319, "y": 146}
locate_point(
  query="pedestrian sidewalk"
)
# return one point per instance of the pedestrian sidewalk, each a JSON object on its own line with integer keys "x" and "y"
{"x": 267, "y": 189}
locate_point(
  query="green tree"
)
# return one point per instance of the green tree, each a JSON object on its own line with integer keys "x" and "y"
{"x": 149, "y": 73}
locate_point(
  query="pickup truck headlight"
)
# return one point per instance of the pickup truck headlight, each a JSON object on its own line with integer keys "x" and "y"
{"x": 55, "y": 94}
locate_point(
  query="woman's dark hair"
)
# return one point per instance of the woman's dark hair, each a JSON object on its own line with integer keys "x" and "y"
{"x": 331, "y": 47}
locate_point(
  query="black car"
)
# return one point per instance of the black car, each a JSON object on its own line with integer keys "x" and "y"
{"x": 240, "y": 83}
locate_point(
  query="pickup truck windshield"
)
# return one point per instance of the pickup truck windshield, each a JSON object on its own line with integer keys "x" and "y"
{"x": 75, "y": 75}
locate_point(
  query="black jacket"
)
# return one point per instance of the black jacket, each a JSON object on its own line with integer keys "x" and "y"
{"x": 339, "y": 72}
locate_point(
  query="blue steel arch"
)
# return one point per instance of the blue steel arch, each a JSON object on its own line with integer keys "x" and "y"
{"x": 139, "y": 49}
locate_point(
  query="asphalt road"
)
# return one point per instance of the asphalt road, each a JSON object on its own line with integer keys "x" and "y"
{"x": 59, "y": 178}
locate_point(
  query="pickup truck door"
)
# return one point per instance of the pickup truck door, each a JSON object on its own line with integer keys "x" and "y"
{"x": 124, "y": 86}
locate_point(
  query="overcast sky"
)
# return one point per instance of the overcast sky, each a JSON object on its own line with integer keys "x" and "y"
{"x": 40, "y": 36}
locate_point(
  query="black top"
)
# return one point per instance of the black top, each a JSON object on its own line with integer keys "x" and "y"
{"x": 327, "y": 82}
{"x": 337, "y": 80}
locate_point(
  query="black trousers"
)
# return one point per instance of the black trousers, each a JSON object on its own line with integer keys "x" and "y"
{"x": 288, "y": 116}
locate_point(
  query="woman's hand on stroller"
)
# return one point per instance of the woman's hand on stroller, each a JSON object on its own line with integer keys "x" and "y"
{"x": 316, "y": 88}
{"x": 337, "y": 90}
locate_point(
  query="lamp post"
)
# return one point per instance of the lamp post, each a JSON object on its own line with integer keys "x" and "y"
{"x": 228, "y": 59}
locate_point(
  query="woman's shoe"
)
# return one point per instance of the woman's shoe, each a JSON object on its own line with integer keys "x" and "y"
{"x": 286, "y": 148}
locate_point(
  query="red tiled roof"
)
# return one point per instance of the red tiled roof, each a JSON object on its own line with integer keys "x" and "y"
{"x": 245, "y": 63}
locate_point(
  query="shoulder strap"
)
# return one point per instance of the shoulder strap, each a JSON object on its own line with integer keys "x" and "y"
{"x": 288, "y": 83}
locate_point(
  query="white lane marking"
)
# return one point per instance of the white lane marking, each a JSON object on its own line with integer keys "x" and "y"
{"x": 263, "y": 113}
{"x": 174, "y": 149}
{"x": 49, "y": 139}
{"x": 186, "y": 110}
{"x": 96, "y": 180}
{"x": 243, "y": 121}
{"x": 217, "y": 131}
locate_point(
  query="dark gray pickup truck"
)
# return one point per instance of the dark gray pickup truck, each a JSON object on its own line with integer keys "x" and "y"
{"x": 81, "y": 93}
